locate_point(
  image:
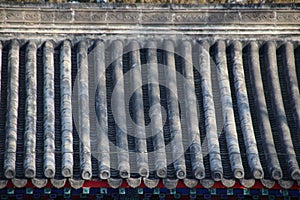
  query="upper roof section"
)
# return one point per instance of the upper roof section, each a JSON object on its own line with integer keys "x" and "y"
{"x": 229, "y": 21}
{"x": 164, "y": 2}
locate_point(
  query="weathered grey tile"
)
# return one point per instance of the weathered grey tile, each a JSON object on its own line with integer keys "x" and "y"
{"x": 49, "y": 116}
{"x": 210, "y": 118}
{"x": 262, "y": 112}
{"x": 31, "y": 109}
{"x": 227, "y": 112}
{"x": 84, "y": 112}
{"x": 101, "y": 111}
{"x": 173, "y": 110}
{"x": 272, "y": 86}
{"x": 66, "y": 109}
{"x": 192, "y": 112}
{"x": 155, "y": 112}
{"x": 138, "y": 109}
{"x": 244, "y": 112}
{"x": 279, "y": 111}
{"x": 292, "y": 82}
{"x": 118, "y": 105}
{"x": 12, "y": 108}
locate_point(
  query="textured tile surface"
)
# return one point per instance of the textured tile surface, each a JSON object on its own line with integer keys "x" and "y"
{"x": 150, "y": 110}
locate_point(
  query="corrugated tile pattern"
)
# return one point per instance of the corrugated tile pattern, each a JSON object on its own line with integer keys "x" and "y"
{"x": 150, "y": 110}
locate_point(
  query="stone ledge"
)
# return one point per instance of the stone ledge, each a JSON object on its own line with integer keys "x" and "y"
{"x": 134, "y": 16}
{"x": 75, "y": 19}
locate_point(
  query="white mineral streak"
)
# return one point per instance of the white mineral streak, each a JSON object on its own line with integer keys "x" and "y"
{"x": 49, "y": 114}
{"x": 30, "y": 118}
{"x": 173, "y": 110}
{"x": 192, "y": 112}
{"x": 209, "y": 111}
{"x": 66, "y": 109}
{"x": 118, "y": 102}
{"x": 227, "y": 110}
{"x": 262, "y": 113}
{"x": 244, "y": 111}
{"x": 138, "y": 109}
{"x": 278, "y": 108}
{"x": 155, "y": 111}
{"x": 101, "y": 111}
{"x": 12, "y": 110}
{"x": 84, "y": 112}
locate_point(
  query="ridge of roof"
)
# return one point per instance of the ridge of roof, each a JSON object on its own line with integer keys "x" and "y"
{"x": 219, "y": 6}
{"x": 49, "y": 22}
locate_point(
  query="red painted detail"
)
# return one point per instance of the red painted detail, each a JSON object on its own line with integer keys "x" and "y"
{"x": 104, "y": 184}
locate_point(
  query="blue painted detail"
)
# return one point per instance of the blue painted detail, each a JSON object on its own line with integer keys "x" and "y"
{"x": 285, "y": 193}
{"x": 122, "y": 191}
{"x": 238, "y": 191}
{"x": 29, "y": 191}
{"x": 57, "y": 191}
{"x": 246, "y": 192}
{"x": 103, "y": 190}
{"x": 86, "y": 191}
{"x": 202, "y": 191}
{"x": 115, "y": 195}
{"x": 193, "y": 191}
{"x": 99, "y": 196}
{"x": 76, "y": 192}
{"x": 53, "y": 196}
{"x": 183, "y": 191}
{"x": 193, "y": 196}
{"x": 140, "y": 191}
{"x": 156, "y": 191}
{"x": 162, "y": 196}
{"x": 94, "y": 191}
{"x": 255, "y": 192}
{"x": 164, "y": 190}
{"x": 67, "y": 191}
{"x": 148, "y": 195}
{"x": 83, "y": 196}
{"x": 287, "y": 198}
{"x": 173, "y": 191}
{"x": 265, "y": 192}
{"x": 47, "y": 191}
{"x": 4, "y": 197}
{"x": 10, "y": 191}
{"x": 293, "y": 193}
{"x": 219, "y": 191}
{"x": 147, "y": 190}
{"x": 229, "y": 191}
{"x": 275, "y": 192}
{"x": 213, "y": 191}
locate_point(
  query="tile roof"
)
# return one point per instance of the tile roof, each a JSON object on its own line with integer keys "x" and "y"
{"x": 149, "y": 96}
{"x": 159, "y": 110}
